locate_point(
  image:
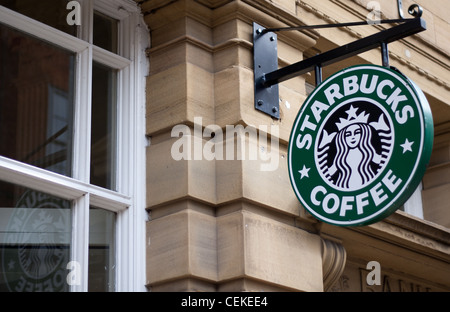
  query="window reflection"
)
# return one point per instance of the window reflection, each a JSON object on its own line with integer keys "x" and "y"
{"x": 35, "y": 236}
{"x": 105, "y": 32}
{"x": 51, "y": 12}
{"x": 102, "y": 266}
{"x": 103, "y": 135}
{"x": 36, "y": 101}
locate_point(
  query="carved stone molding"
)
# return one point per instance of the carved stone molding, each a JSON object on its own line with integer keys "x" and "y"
{"x": 334, "y": 258}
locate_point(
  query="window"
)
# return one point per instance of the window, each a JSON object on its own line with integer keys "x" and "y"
{"x": 72, "y": 146}
{"x": 35, "y": 236}
{"x": 413, "y": 205}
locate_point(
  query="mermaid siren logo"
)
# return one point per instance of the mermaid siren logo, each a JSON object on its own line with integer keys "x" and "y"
{"x": 360, "y": 145}
{"x": 37, "y": 241}
{"x": 360, "y": 149}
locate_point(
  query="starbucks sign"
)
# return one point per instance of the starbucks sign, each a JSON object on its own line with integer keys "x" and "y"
{"x": 360, "y": 145}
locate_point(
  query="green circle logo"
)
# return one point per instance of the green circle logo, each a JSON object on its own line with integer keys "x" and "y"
{"x": 360, "y": 145}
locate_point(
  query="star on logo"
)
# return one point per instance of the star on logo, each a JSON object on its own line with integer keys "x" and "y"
{"x": 407, "y": 146}
{"x": 304, "y": 172}
{"x": 11, "y": 265}
{"x": 351, "y": 112}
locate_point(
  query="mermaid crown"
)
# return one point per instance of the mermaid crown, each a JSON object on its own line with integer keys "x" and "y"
{"x": 352, "y": 119}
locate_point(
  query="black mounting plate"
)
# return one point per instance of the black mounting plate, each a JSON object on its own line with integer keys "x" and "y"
{"x": 265, "y": 60}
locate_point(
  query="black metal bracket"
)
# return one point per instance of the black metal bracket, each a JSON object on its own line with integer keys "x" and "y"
{"x": 265, "y": 53}
{"x": 265, "y": 58}
{"x": 414, "y": 9}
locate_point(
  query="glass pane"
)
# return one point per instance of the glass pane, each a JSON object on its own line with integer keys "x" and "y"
{"x": 51, "y": 12}
{"x": 105, "y": 32}
{"x": 102, "y": 226}
{"x": 103, "y": 141}
{"x": 35, "y": 236}
{"x": 36, "y": 101}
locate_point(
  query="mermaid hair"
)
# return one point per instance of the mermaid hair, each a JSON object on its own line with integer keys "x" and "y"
{"x": 342, "y": 149}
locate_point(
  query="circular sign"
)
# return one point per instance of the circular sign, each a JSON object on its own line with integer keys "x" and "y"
{"x": 360, "y": 145}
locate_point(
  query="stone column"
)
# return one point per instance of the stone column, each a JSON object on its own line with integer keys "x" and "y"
{"x": 222, "y": 212}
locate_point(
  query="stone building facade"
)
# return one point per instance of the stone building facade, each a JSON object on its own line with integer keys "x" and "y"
{"x": 170, "y": 178}
{"x": 227, "y": 225}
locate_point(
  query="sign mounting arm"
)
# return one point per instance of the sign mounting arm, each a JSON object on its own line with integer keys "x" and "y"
{"x": 267, "y": 74}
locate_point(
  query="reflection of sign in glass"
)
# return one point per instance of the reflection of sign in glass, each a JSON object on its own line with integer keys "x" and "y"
{"x": 360, "y": 145}
{"x": 37, "y": 244}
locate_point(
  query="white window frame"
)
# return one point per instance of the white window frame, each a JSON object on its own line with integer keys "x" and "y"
{"x": 129, "y": 200}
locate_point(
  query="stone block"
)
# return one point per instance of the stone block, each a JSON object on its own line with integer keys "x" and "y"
{"x": 260, "y": 248}
{"x": 435, "y": 204}
{"x": 181, "y": 245}
{"x": 171, "y": 178}
{"x": 257, "y": 171}
{"x": 436, "y": 176}
{"x": 177, "y": 95}
{"x": 180, "y": 52}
